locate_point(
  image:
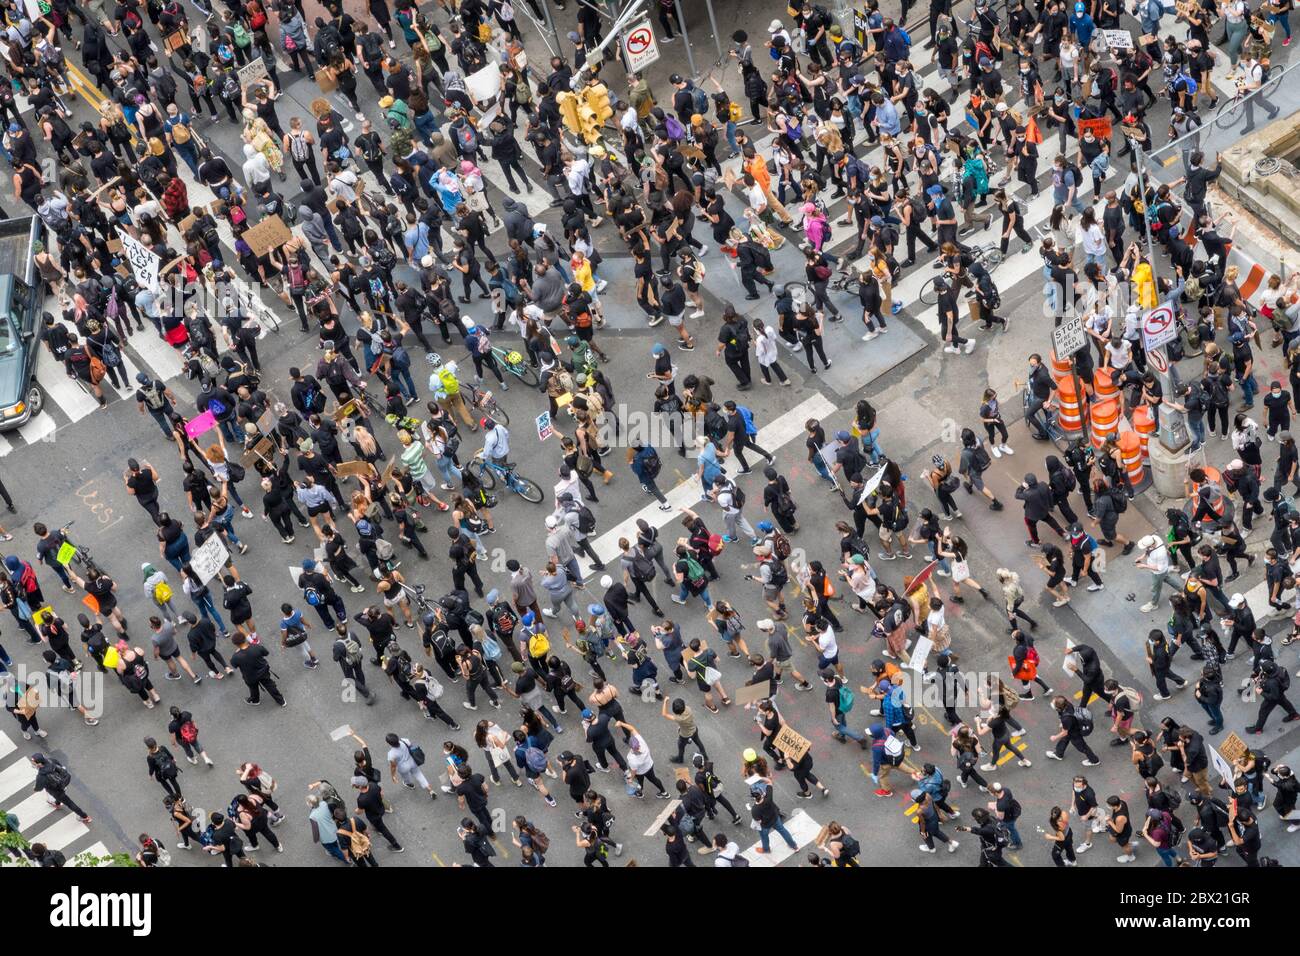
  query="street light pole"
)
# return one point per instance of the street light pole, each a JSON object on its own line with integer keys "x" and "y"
{"x": 1172, "y": 423}
{"x": 686, "y": 40}
{"x": 631, "y": 12}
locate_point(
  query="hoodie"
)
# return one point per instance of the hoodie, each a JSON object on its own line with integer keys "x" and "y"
{"x": 519, "y": 225}
{"x": 1037, "y": 498}
{"x": 444, "y": 154}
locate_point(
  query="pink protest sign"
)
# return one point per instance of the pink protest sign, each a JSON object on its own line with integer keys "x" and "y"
{"x": 199, "y": 424}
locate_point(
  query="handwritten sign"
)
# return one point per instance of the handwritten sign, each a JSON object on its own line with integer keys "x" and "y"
{"x": 144, "y": 262}
{"x": 544, "y": 427}
{"x": 270, "y": 233}
{"x": 1233, "y": 748}
{"x": 1100, "y": 128}
{"x": 1118, "y": 39}
{"x": 66, "y": 553}
{"x": 209, "y": 558}
{"x": 354, "y": 469}
{"x": 791, "y": 743}
{"x": 199, "y": 424}
{"x": 43, "y": 614}
{"x": 176, "y": 41}
{"x": 252, "y": 71}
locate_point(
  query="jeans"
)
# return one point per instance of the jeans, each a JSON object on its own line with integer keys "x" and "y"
{"x": 1159, "y": 580}
{"x": 1197, "y": 427}
{"x": 683, "y": 594}
{"x": 178, "y": 553}
{"x": 1168, "y": 855}
{"x": 209, "y": 610}
{"x": 404, "y": 381}
{"x": 333, "y": 850}
{"x": 764, "y": 836}
{"x": 447, "y": 468}
{"x": 843, "y": 729}
{"x": 1214, "y": 712}
{"x": 223, "y": 521}
{"x": 1016, "y": 842}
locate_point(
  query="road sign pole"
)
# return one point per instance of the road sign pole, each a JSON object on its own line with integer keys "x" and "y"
{"x": 1085, "y": 415}
{"x": 713, "y": 25}
{"x": 686, "y": 40}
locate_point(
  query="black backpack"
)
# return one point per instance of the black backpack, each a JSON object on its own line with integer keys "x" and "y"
{"x": 586, "y": 520}
{"x": 1119, "y": 500}
{"x": 763, "y": 257}
{"x": 980, "y": 460}
{"x": 1084, "y": 718}
{"x": 737, "y": 496}
{"x": 652, "y": 464}
{"x": 58, "y": 776}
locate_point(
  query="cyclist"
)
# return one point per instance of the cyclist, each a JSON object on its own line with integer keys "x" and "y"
{"x": 496, "y": 442}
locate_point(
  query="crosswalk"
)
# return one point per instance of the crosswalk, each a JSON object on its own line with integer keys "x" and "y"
{"x": 39, "y": 822}
{"x": 1016, "y": 266}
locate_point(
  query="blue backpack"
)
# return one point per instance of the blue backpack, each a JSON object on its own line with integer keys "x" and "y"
{"x": 747, "y": 417}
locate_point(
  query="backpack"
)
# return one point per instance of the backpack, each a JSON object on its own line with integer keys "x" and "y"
{"x": 541, "y": 842}
{"x": 1084, "y": 717}
{"x": 739, "y": 861}
{"x": 779, "y": 575}
{"x": 701, "y": 100}
{"x": 845, "y": 701}
{"x": 166, "y": 764}
{"x": 780, "y": 546}
{"x": 1001, "y": 836}
{"x": 505, "y": 618}
{"x": 763, "y": 257}
{"x": 980, "y": 459}
{"x": 1074, "y": 171}
{"x": 737, "y": 495}
{"x": 383, "y": 549}
{"x": 586, "y": 520}
{"x": 643, "y": 568}
{"x": 674, "y": 128}
{"x": 467, "y": 140}
{"x": 188, "y": 732}
{"x": 539, "y": 644}
{"x": 652, "y": 464}
{"x": 59, "y": 776}
{"x": 162, "y": 592}
{"x": 747, "y": 417}
{"x": 694, "y": 572}
{"x": 535, "y": 759}
{"x": 1119, "y": 500}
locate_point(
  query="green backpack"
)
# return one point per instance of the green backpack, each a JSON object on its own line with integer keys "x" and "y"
{"x": 694, "y": 572}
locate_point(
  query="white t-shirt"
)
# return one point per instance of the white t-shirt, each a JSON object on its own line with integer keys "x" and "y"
{"x": 826, "y": 643}
{"x": 639, "y": 760}
{"x": 1158, "y": 558}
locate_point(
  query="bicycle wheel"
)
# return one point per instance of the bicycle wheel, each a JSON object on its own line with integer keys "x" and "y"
{"x": 525, "y": 373}
{"x": 526, "y": 489}
{"x": 991, "y": 256}
{"x": 487, "y": 477}
{"x": 493, "y": 408}
{"x": 928, "y": 295}
{"x": 1229, "y": 114}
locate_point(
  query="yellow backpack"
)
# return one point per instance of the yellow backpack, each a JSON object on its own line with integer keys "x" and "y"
{"x": 538, "y": 645}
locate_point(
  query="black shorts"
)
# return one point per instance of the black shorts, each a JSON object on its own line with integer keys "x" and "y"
{"x": 320, "y": 509}
{"x": 1056, "y": 578}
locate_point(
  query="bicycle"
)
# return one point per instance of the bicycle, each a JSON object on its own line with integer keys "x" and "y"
{"x": 483, "y": 400}
{"x": 82, "y": 559}
{"x": 1230, "y": 113}
{"x": 988, "y": 256}
{"x": 488, "y": 472}
{"x": 475, "y": 397}
{"x": 515, "y": 363}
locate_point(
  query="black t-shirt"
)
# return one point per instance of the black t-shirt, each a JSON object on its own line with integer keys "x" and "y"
{"x": 143, "y": 485}
{"x": 371, "y": 802}
{"x": 472, "y": 790}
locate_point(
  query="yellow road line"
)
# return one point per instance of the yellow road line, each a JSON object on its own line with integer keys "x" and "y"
{"x": 1020, "y": 749}
{"x": 436, "y": 860}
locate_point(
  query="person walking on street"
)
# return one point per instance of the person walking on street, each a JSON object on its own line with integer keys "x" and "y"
{"x": 53, "y": 778}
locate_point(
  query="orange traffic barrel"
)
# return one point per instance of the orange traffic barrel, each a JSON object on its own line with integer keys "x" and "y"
{"x": 1211, "y": 474}
{"x": 1070, "y": 418}
{"x": 1144, "y": 423}
{"x": 1103, "y": 382}
{"x": 1062, "y": 370}
{"x": 1130, "y": 450}
{"x": 1105, "y": 421}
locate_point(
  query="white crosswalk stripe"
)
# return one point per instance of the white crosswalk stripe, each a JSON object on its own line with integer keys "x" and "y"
{"x": 38, "y": 822}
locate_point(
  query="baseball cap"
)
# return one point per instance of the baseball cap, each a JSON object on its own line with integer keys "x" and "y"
{"x": 586, "y": 713}
{"x": 675, "y": 78}
{"x": 774, "y": 27}
{"x": 842, "y": 435}
{"x": 1236, "y": 601}
{"x": 749, "y": 755}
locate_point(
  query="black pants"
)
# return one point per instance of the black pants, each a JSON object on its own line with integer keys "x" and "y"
{"x": 307, "y": 168}
{"x": 681, "y": 747}
{"x": 473, "y": 683}
{"x": 261, "y": 825}
{"x": 1267, "y": 707}
{"x": 255, "y": 690}
{"x": 739, "y": 446}
{"x": 1079, "y": 744}
{"x": 813, "y": 343}
{"x": 914, "y": 233}
{"x": 61, "y": 797}
{"x": 170, "y": 785}
{"x": 607, "y": 751}
{"x": 4, "y": 493}
{"x": 739, "y": 366}
{"x": 377, "y": 824}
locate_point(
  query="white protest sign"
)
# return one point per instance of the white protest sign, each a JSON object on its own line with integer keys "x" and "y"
{"x": 210, "y": 558}
{"x": 144, "y": 263}
{"x": 919, "y": 654}
{"x": 871, "y": 484}
{"x": 484, "y": 85}
{"x": 252, "y": 71}
{"x": 1118, "y": 39}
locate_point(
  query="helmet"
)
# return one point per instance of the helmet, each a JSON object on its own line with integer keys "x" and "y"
{"x": 434, "y": 359}
{"x": 779, "y": 289}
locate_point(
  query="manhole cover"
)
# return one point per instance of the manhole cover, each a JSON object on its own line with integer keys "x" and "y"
{"x": 1267, "y": 166}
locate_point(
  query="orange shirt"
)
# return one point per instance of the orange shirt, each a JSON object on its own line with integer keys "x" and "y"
{"x": 757, "y": 167}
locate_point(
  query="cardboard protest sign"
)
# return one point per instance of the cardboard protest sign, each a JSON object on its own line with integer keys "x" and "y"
{"x": 270, "y": 233}
{"x": 791, "y": 743}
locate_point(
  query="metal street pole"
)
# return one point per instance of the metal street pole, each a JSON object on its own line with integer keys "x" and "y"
{"x": 630, "y": 13}
{"x": 1172, "y": 423}
{"x": 686, "y": 40}
{"x": 546, "y": 12}
{"x": 713, "y": 23}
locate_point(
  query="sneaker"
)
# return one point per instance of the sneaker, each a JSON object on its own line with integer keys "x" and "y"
{"x": 927, "y": 849}
{"x": 996, "y": 451}
{"x": 1148, "y": 607}
{"x": 952, "y": 845}
{"x": 467, "y": 705}
{"x": 1091, "y": 763}
{"x": 1051, "y": 755}
{"x": 1096, "y": 587}
{"x": 1007, "y": 449}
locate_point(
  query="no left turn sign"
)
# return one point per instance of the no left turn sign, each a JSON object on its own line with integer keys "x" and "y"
{"x": 640, "y": 47}
{"x": 1158, "y": 327}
